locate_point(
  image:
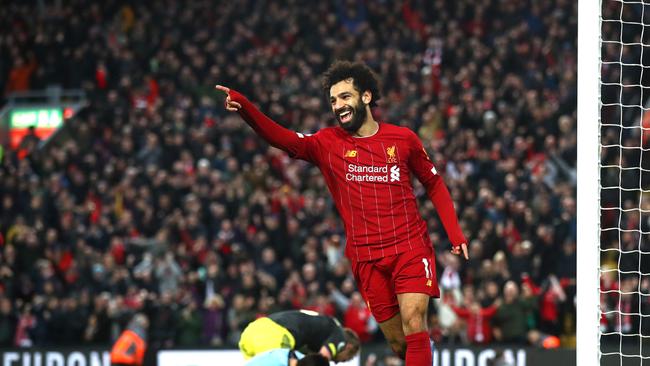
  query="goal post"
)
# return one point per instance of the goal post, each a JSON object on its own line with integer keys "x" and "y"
{"x": 615, "y": 38}
{"x": 588, "y": 191}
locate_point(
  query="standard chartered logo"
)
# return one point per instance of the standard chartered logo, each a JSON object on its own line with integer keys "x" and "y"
{"x": 371, "y": 173}
{"x": 394, "y": 173}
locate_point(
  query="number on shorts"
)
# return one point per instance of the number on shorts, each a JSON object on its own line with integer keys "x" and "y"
{"x": 426, "y": 266}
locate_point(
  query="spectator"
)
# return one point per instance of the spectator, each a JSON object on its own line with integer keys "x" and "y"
{"x": 164, "y": 318}
{"x": 271, "y": 265}
{"x": 358, "y": 318}
{"x": 8, "y": 322}
{"x": 477, "y": 319}
{"x": 239, "y": 315}
{"x": 214, "y": 320}
{"x": 168, "y": 274}
{"x": 356, "y": 314}
{"x": 511, "y": 319}
{"x": 189, "y": 327}
{"x": 551, "y": 296}
{"x": 20, "y": 75}
{"x": 130, "y": 347}
{"x": 98, "y": 330}
{"x": 26, "y": 322}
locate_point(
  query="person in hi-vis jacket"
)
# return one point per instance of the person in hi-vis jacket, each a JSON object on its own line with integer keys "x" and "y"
{"x": 130, "y": 347}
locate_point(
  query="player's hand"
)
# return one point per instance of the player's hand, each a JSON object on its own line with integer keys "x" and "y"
{"x": 461, "y": 249}
{"x": 230, "y": 104}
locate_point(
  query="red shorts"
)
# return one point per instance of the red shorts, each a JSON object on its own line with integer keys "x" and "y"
{"x": 379, "y": 281}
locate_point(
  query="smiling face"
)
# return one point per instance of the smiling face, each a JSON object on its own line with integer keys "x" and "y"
{"x": 348, "y": 105}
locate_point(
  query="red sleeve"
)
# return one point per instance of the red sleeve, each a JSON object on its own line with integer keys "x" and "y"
{"x": 461, "y": 312}
{"x": 489, "y": 312}
{"x": 437, "y": 191}
{"x": 298, "y": 145}
{"x": 526, "y": 280}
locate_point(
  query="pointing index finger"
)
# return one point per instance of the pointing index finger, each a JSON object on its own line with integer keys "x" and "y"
{"x": 223, "y": 89}
{"x": 465, "y": 252}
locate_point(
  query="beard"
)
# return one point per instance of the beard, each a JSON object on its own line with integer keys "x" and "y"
{"x": 359, "y": 114}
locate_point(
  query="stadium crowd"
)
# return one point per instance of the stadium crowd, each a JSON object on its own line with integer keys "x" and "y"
{"x": 159, "y": 201}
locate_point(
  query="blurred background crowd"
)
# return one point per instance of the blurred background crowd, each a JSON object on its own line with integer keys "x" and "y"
{"x": 157, "y": 200}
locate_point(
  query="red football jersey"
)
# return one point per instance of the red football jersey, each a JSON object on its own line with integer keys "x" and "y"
{"x": 369, "y": 179}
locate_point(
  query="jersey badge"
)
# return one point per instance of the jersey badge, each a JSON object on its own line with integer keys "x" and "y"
{"x": 390, "y": 152}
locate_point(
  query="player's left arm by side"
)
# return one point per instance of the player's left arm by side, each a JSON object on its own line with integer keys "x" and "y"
{"x": 424, "y": 169}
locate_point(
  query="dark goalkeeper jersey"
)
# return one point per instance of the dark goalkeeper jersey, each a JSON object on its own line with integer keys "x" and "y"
{"x": 311, "y": 331}
{"x": 369, "y": 179}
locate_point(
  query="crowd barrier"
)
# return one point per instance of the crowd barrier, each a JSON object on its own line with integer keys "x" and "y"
{"x": 444, "y": 356}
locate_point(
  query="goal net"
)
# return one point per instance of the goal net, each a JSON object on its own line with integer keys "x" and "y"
{"x": 624, "y": 164}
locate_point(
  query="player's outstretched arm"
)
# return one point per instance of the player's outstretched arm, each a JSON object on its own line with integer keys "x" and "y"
{"x": 297, "y": 145}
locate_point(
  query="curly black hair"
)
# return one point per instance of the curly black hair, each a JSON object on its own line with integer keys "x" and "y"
{"x": 363, "y": 78}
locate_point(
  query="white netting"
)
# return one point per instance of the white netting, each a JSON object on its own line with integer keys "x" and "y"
{"x": 625, "y": 183}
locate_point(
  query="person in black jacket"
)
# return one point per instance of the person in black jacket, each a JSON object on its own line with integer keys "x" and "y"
{"x": 302, "y": 330}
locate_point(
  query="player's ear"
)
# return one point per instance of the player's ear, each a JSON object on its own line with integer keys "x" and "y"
{"x": 366, "y": 97}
